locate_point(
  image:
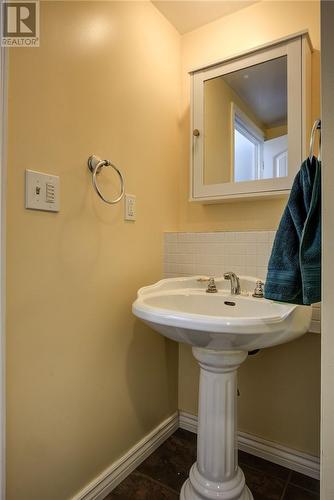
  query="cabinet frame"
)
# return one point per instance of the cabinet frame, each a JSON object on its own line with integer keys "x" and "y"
{"x": 297, "y": 49}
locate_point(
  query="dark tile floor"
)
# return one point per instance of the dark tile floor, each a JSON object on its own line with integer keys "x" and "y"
{"x": 162, "y": 474}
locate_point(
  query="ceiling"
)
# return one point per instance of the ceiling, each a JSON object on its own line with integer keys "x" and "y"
{"x": 188, "y": 15}
{"x": 263, "y": 88}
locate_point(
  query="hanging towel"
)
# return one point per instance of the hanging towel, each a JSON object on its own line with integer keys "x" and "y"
{"x": 294, "y": 270}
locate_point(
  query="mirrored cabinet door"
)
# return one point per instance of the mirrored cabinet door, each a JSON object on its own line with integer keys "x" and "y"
{"x": 249, "y": 121}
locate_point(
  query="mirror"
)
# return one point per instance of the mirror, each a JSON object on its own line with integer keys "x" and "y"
{"x": 246, "y": 124}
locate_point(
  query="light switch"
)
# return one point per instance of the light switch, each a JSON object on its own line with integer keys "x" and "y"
{"x": 129, "y": 207}
{"x": 42, "y": 191}
{"x": 50, "y": 194}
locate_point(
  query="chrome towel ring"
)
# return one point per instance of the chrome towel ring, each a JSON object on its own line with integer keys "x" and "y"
{"x": 316, "y": 126}
{"x": 95, "y": 166}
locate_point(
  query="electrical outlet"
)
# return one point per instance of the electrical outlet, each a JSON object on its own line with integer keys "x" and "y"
{"x": 129, "y": 207}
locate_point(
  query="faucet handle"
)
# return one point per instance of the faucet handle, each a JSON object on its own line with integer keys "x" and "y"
{"x": 211, "y": 286}
{"x": 258, "y": 291}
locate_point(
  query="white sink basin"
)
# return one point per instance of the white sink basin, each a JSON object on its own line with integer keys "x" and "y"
{"x": 222, "y": 328}
{"x": 180, "y": 309}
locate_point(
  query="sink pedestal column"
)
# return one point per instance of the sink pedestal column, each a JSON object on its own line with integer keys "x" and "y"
{"x": 216, "y": 474}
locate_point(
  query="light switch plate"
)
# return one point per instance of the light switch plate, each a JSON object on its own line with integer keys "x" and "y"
{"x": 42, "y": 191}
{"x": 130, "y": 207}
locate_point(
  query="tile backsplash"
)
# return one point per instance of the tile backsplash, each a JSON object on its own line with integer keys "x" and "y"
{"x": 212, "y": 254}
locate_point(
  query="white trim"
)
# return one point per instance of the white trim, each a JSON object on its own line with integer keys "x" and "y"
{"x": 241, "y": 122}
{"x": 187, "y": 421}
{"x": 307, "y": 96}
{"x": 3, "y": 155}
{"x": 236, "y": 197}
{"x": 268, "y": 450}
{"x": 238, "y": 114}
{"x": 304, "y": 34}
{"x": 282, "y": 156}
{"x": 315, "y": 326}
{"x": 119, "y": 470}
{"x": 281, "y": 455}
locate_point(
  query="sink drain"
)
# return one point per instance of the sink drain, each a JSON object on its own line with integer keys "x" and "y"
{"x": 229, "y": 303}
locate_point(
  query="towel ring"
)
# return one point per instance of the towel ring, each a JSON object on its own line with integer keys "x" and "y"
{"x": 95, "y": 166}
{"x": 316, "y": 126}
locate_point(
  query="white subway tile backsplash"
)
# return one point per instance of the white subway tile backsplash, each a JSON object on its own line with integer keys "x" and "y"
{"x": 185, "y": 258}
{"x": 229, "y": 237}
{"x": 172, "y": 248}
{"x": 171, "y": 237}
{"x": 208, "y": 259}
{"x": 261, "y": 260}
{"x": 261, "y": 248}
{"x": 244, "y": 252}
{"x": 239, "y": 237}
{"x": 185, "y": 237}
{"x": 212, "y": 248}
{"x": 250, "y": 260}
{"x": 261, "y": 272}
{"x": 250, "y": 237}
{"x": 263, "y": 237}
{"x": 251, "y": 271}
{"x": 251, "y": 249}
{"x": 239, "y": 259}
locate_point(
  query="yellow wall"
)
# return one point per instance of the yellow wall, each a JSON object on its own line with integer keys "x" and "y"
{"x": 85, "y": 380}
{"x": 280, "y": 388}
{"x": 272, "y": 133}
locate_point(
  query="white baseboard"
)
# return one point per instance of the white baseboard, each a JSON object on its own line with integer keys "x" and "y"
{"x": 276, "y": 453}
{"x": 281, "y": 455}
{"x": 188, "y": 422}
{"x": 101, "y": 486}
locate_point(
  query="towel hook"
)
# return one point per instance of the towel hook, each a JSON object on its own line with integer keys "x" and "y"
{"x": 95, "y": 166}
{"x": 316, "y": 126}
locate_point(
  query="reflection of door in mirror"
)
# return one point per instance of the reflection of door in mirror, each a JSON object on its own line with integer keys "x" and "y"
{"x": 245, "y": 124}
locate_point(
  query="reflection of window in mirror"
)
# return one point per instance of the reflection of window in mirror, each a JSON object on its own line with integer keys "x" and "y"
{"x": 247, "y": 143}
{"x": 254, "y": 156}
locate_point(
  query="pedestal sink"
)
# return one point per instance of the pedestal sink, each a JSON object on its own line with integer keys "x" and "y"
{"x": 221, "y": 328}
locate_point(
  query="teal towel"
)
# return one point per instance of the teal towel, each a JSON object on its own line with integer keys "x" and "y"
{"x": 294, "y": 270}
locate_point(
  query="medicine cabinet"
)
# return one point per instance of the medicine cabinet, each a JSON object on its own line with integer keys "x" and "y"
{"x": 250, "y": 122}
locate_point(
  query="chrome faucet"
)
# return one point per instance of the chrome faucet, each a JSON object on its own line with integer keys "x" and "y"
{"x": 235, "y": 283}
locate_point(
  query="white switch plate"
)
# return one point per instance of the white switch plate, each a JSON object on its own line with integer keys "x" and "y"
{"x": 129, "y": 207}
{"x": 42, "y": 191}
